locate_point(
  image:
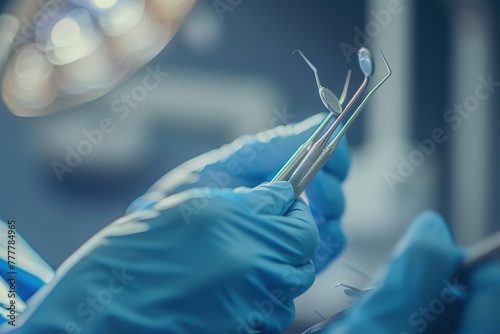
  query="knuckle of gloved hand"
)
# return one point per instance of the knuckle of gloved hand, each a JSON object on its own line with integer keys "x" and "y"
{"x": 307, "y": 275}
{"x": 295, "y": 280}
{"x": 273, "y": 203}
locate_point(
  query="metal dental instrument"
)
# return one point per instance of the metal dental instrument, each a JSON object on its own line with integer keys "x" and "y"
{"x": 333, "y": 104}
{"x": 328, "y": 98}
{"x": 478, "y": 253}
{"x": 351, "y": 291}
{"x": 312, "y": 155}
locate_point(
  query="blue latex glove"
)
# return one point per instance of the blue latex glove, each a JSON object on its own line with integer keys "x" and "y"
{"x": 27, "y": 271}
{"x": 251, "y": 160}
{"x": 481, "y": 313}
{"x": 201, "y": 261}
{"x": 422, "y": 291}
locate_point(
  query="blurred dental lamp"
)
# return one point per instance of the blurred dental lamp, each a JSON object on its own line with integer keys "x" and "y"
{"x": 58, "y": 54}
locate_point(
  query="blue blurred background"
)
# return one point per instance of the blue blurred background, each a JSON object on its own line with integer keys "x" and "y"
{"x": 231, "y": 73}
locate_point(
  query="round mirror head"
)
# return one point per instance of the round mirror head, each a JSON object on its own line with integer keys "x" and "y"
{"x": 330, "y": 101}
{"x": 366, "y": 62}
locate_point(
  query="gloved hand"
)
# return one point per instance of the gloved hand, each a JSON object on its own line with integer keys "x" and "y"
{"x": 201, "y": 261}
{"x": 481, "y": 313}
{"x": 26, "y": 271}
{"x": 251, "y": 160}
{"x": 424, "y": 291}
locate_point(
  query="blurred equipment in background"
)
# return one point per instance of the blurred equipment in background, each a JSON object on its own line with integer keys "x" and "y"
{"x": 65, "y": 53}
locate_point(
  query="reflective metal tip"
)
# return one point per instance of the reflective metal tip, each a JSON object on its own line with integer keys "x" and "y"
{"x": 366, "y": 62}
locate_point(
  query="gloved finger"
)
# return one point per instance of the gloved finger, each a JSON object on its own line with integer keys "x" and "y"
{"x": 326, "y": 196}
{"x": 293, "y": 238}
{"x": 280, "y": 222}
{"x": 482, "y": 311}
{"x": 332, "y": 242}
{"x": 284, "y": 224}
{"x": 293, "y": 281}
{"x": 270, "y": 314}
{"x": 419, "y": 280}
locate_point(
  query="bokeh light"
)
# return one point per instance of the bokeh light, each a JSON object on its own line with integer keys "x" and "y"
{"x": 83, "y": 49}
{"x": 104, "y": 4}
